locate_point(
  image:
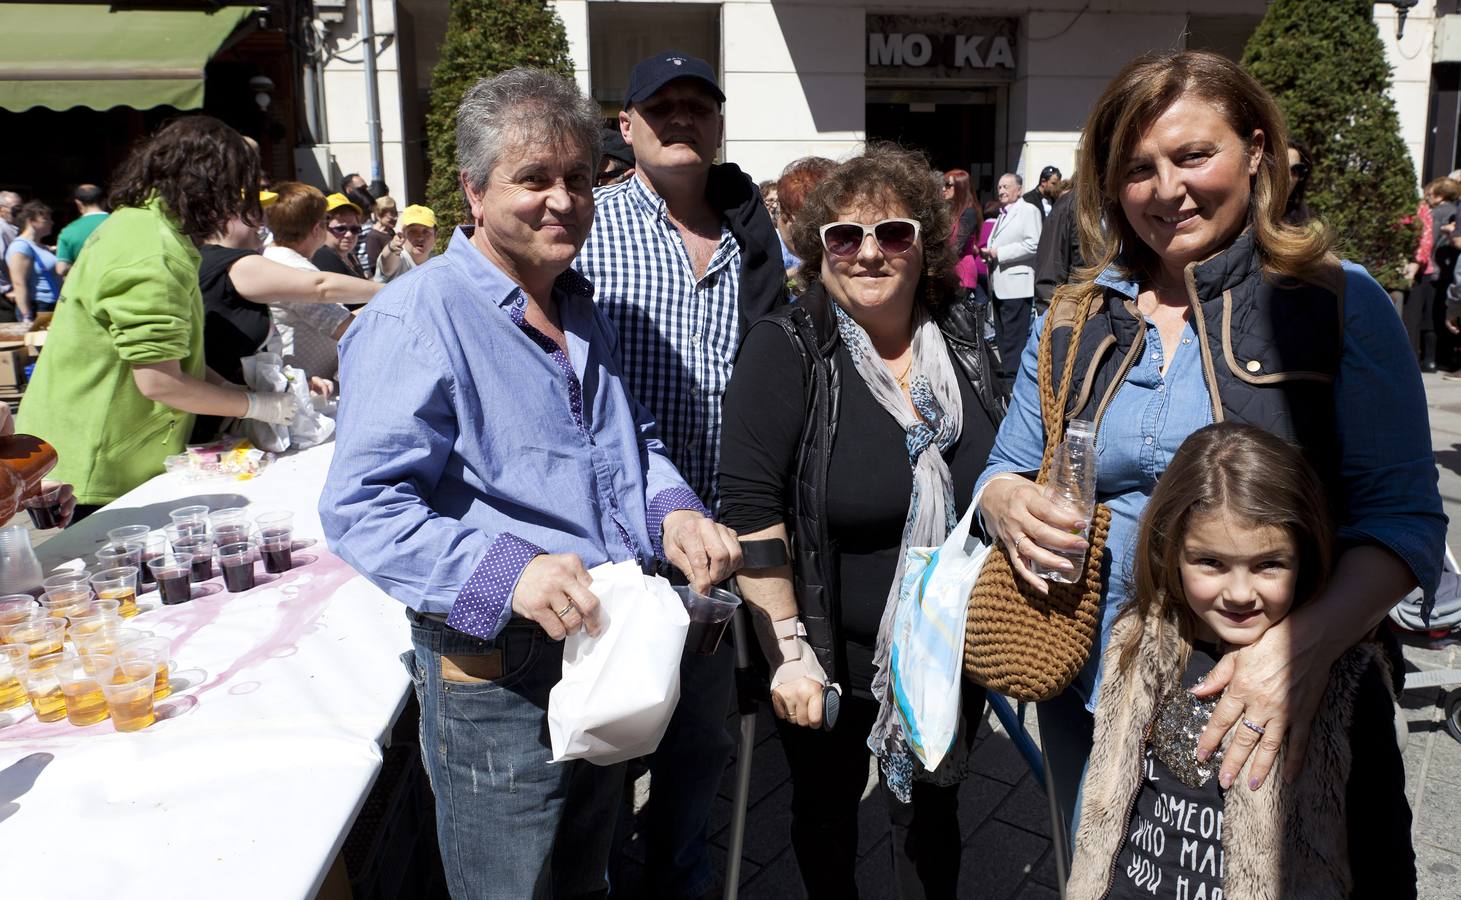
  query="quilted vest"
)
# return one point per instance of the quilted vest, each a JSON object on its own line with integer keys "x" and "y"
{"x": 1270, "y": 348}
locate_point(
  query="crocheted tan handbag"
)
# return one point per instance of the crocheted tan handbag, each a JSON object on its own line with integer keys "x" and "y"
{"x": 1017, "y": 642}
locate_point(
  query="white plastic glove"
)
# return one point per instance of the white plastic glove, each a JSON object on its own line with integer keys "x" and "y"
{"x": 275, "y": 409}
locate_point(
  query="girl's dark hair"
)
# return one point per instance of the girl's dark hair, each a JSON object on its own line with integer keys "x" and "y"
{"x": 202, "y": 170}
{"x": 884, "y": 175}
{"x": 1296, "y": 211}
{"x": 1253, "y": 476}
{"x": 32, "y": 211}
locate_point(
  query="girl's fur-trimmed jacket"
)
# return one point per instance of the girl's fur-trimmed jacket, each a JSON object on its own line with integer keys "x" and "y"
{"x": 1341, "y": 830}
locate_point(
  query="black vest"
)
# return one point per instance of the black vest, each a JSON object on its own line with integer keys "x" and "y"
{"x": 811, "y": 328}
{"x": 1270, "y": 348}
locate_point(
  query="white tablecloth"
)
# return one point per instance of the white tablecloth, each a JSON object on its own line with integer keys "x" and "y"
{"x": 249, "y": 783}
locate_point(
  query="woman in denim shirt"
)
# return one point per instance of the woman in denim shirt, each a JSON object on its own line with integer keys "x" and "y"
{"x": 1206, "y": 307}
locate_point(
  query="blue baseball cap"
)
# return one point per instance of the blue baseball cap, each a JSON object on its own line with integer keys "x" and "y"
{"x": 651, "y": 74}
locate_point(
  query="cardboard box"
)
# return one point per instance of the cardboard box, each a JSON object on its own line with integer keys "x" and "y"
{"x": 12, "y": 368}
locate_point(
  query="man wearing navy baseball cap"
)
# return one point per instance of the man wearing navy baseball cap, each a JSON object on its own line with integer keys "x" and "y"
{"x": 683, "y": 258}
{"x": 1044, "y": 194}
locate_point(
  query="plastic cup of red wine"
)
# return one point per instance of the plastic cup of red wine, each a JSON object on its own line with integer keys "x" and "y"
{"x": 45, "y": 508}
{"x": 276, "y": 540}
{"x": 173, "y": 572}
{"x": 237, "y": 562}
{"x": 200, "y": 548}
{"x": 191, "y": 521}
{"x": 708, "y": 615}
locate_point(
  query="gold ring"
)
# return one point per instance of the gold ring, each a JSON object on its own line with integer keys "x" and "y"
{"x": 564, "y": 611}
{"x": 1023, "y": 538}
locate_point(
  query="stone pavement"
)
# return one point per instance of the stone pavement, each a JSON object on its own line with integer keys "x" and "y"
{"x": 1003, "y": 812}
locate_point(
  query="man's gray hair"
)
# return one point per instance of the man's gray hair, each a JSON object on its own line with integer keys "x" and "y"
{"x": 9, "y": 198}
{"x": 1019, "y": 179}
{"x": 523, "y": 106}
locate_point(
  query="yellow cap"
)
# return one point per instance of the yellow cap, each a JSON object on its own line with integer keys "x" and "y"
{"x": 340, "y": 201}
{"x": 416, "y": 215}
{"x": 267, "y": 198}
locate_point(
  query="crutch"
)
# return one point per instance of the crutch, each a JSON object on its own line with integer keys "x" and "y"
{"x": 746, "y": 706}
{"x": 1014, "y": 726}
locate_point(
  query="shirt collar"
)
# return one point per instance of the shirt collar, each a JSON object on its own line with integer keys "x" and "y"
{"x": 493, "y": 284}
{"x": 1113, "y": 279}
{"x": 645, "y": 198}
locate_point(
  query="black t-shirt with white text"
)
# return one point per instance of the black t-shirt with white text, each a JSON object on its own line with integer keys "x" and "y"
{"x": 1173, "y": 848}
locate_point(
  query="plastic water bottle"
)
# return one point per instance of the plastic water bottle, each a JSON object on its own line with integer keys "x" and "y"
{"x": 1072, "y": 484}
{"x": 20, "y": 571}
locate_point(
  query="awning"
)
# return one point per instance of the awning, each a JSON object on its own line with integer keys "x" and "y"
{"x": 64, "y": 55}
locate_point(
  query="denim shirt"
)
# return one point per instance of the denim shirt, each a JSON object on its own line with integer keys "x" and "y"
{"x": 1383, "y": 438}
{"x": 468, "y": 442}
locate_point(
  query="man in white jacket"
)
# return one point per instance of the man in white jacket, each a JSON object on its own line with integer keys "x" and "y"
{"x": 1010, "y": 253}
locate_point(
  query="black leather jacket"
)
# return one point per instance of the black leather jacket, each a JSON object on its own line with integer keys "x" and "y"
{"x": 810, "y": 325}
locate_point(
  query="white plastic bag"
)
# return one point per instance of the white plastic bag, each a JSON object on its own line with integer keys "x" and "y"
{"x": 266, "y": 373}
{"x": 928, "y": 640}
{"x": 620, "y": 688}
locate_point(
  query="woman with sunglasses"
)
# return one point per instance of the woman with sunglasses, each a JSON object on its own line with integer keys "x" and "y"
{"x": 968, "y": 224}
{"x": 854, "y": 426}
{"x": 341, "y": 235}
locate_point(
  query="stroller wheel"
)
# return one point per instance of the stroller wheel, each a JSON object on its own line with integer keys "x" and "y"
{"x": 1453, "y": 714}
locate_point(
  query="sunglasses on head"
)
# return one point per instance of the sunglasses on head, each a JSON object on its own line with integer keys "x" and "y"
{"x": 893, "y": 236}
{"x": 1299, "y": 170}
{"x": 342, "y": 230}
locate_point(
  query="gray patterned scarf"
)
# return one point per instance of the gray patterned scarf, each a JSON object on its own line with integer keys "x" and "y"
{"x": 932, "y": 512}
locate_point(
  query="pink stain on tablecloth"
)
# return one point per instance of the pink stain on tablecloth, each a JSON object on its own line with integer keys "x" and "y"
{"x": 308, "y": 590}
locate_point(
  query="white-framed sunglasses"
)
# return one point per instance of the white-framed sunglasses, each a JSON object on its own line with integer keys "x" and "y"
{"x": 893, "y": 236}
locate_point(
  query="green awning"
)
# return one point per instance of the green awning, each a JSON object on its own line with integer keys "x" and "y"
{"x": 64, "y": 55}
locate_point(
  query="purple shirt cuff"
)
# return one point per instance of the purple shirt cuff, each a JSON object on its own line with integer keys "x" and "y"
{"x": 485, "y": 602}
{"x": 664, "y": 503}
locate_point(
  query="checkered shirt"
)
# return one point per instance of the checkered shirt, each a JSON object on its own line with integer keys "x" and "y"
{"x": 677, "y": 335}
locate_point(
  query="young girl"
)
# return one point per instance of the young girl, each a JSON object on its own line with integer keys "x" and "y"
{"x": 1237, "y": 533}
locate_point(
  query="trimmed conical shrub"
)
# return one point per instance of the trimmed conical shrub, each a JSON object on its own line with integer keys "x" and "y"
{"x": 1324, "y": 63}
{"x": 483, "y": 38}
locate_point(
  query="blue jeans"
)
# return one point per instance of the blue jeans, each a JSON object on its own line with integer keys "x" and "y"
{"x": 686, "y": 772}
{"x": 501, "y": 807}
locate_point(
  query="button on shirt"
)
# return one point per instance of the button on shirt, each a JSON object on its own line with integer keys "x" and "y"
{"x": 469, "y": 442}
{"x": 679, "y": 333}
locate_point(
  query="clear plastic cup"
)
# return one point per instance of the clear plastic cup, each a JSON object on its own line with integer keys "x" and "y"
{"x": 116, "y": 554}
{"x": 11, "y": 634}
{"x": 134, "y": 533}
{"x": 200, "y": 548}
{"x": 709, "y": 614}
{"x": 153, "y": 546}
{"x": 43, "y": 685}
{"x": 128, "y": 686}
{"x": 42, "y": 635}
{"x": 44, "y": 508}
{"x": 192, "y": 520}
{"x": 16, "y": 608}
{"x": 173, "y": 572}
{"x": 155, "y": 650}
{"x": 13, "y": 658}
{"x": 276, "y": 540}
{"x": 101, "y": 614}
{"x": 230, "y": 525}
{"x": 119, "y": 584}
{"x": 85, "y": 703}
{"x": 237, "y": 563}
{"x": 104, "y": 640}
{"x": 68, "y": 601}
{"x": 68, "y": 579}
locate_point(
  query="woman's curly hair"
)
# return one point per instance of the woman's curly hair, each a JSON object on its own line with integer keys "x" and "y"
{"x": 202, "y": 169}
{"x": 901, "y": 182}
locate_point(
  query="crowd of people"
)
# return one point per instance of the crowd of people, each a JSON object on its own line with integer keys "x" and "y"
{"x": 633, "y": 353}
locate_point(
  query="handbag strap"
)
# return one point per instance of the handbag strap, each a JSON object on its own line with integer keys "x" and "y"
{"x": 1053, "y": 403}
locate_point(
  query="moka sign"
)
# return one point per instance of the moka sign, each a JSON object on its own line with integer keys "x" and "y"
{"x": 923, "y": 46}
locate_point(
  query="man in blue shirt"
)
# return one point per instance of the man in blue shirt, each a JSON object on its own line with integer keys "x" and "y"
{"x": 488, "y": 455}
{"x": 683, "y": 257}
